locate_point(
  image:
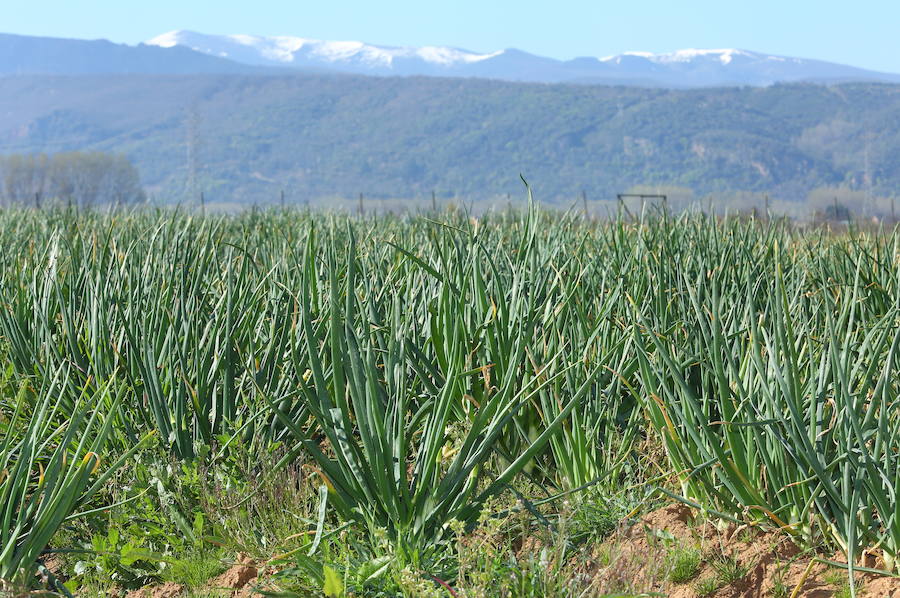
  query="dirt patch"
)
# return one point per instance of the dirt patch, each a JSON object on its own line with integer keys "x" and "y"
{"x": 729, "y": 561}
{"x": 167, "y": 590}
{"x": 239, "y": 581}
{"x": 238, "y": 575}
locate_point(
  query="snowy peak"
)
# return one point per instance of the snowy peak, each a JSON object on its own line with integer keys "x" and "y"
{"x": 723, "y": 57}
{"x": 687, "y": 55}
{"x": 682, "y": 68}
{"x": 300, "y": 51}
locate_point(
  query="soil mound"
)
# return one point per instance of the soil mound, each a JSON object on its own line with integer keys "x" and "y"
{"x": 723, "y": 561}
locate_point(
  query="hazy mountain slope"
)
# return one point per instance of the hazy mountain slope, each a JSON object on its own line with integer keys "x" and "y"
{"x": 324, "y": 136}
{"x": 684, "y": 68}
{"x": 21, "y": 54}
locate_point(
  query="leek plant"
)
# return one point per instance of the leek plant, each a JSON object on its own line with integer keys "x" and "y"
{"x": 786, "y": 411}
{"x": 384, "y": 412}
{"x": 53, "y": 461}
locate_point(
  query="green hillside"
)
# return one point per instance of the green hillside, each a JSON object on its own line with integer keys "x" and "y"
{"x": 246, "y": 138}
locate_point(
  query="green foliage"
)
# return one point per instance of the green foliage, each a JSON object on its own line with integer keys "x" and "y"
{"x": 407, "y": 400}
{"x": 333, "y": 587}
{"x": 51, "y": 465}
{"x": 324, "y": 138}
{"x": 387, "y": 431}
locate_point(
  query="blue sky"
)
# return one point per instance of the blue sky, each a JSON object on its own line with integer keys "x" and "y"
{"x": 862, "y": 33}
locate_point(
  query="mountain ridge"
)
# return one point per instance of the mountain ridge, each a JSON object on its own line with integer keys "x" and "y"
{"x": 682, "y": 68}
{"x": 29, "y": 55}
{"x": 185, "y": 52}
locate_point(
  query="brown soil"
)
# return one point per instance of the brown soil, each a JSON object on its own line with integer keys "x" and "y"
{"x": 166, "y": 590}
{"x": 236, "y": 582}
{"x": 635, "y": 560}
{"x": 238, "y": 577}
{"x": 55, "y": 566}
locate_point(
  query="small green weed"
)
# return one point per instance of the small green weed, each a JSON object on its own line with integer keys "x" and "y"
{"x": 841, "y": 583}
{"x": 707, "y": 586}
{"x": 747, "y": 535}
{"x": 195, "y": 569}
{"x": 683, "y": 564}
{"x": 728, "y": 570}
{"x": 780, "y": 589}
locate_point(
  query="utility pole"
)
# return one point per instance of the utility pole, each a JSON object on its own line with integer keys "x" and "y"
{"x": 202, "y": 203}
{"x": 282, "y": 199}
{"x": 868, "y": 175}
{"x": 584, "y": 202}
{"x": 360, "y": 204}
{"x": 433, "y": 202}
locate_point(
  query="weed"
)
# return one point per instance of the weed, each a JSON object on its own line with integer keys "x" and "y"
{"x": 839, "y": 580}
{"x": 728, "y": 570}
{"x": 707, "y": 586}
{"x": 683, "y": 564}
{"x": 780, "y": 589}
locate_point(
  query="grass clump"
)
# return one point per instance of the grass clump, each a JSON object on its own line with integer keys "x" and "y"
{"x": 683, "y": 564}
{"x": 728, "y": 569}
{"x": 707, "y": 586}
{"x": 780, "y": 588}
{"x": 841, "y": 584}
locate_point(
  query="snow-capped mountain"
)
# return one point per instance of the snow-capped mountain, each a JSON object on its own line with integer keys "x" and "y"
{"x": 682, "y": 68}
{"x": 338, "y": 55}
{"x": 185, "y": 52}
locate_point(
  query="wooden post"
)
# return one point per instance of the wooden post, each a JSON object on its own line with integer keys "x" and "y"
{"x": 202, "y": 203}
{"x": 360, "y": 204}
{"x": 37, "y": 200}
{"x": 282, "y": 199}
{"x": 433, "y": 202}
{"x": 584, "y": 201}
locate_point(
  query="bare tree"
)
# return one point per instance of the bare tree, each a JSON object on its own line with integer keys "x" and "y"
{"x": 23, "y": 178}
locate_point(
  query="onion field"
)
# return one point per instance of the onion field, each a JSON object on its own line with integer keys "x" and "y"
{"x": 440, "y": 405}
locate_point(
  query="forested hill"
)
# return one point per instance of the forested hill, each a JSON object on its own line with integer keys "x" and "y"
{"x": 246, "y": 138}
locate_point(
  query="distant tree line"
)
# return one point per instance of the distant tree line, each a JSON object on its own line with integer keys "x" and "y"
{"x": 82, "y": 179}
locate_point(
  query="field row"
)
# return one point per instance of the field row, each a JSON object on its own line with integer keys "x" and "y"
{"x": 423, "y": 376}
